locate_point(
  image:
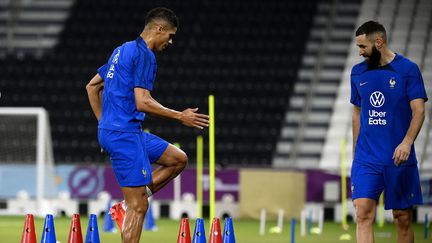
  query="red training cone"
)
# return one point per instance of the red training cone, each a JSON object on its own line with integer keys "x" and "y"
{"x": 75, "y": 235}
{"x": 29, "y": 234}
{"x": 215, "y": 233}
{"x": 184, "y": 232}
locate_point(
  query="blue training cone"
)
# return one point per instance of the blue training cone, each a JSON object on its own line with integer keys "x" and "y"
{"x": 108, "y": 225}
{"x": 48, "y": 234}
{"x": 149, "y": 221}
{"x": 199, "y": 234}
{"x": 92, "y": 235}
{"x": 228, "y": 233}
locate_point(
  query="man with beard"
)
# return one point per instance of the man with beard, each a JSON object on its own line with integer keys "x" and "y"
{"x": 389, "y": 97}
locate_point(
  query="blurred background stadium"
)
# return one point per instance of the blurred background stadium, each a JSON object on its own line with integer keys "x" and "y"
{"x": 279, "y": 71}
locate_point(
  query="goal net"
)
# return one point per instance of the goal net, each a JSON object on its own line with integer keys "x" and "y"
{"x": 26, "y": 155}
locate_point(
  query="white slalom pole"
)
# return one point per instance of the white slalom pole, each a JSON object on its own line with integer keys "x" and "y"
{"x": 280, "y": 220}
{"x": 177, "y": 188}
{"x": 320, "y": 220}
{"x": 303, "y": 223}
{"x": 262, "y": 222}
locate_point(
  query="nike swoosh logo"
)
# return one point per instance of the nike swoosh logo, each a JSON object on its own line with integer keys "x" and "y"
{"x": 361, "y": 84}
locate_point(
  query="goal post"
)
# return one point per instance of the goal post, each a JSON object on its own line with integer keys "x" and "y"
{"x": 25, "y": 140}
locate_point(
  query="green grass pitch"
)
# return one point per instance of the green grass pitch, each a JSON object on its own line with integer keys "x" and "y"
{"x": 246, "y": 231}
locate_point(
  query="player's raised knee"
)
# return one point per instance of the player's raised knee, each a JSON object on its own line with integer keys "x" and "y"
{"x": 181, "y": 158}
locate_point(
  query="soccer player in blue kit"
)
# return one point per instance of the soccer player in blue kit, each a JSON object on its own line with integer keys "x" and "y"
{"x": 388, "y": 95}
{"x": 120, "y": 98}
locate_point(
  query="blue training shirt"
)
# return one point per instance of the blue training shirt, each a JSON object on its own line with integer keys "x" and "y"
{"x": 130, "y": 65}
{"x": 384, "y": 96}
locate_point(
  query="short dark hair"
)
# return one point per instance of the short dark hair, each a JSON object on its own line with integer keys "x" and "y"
{"x": 371, "y": 27}
{"x": 163, "y": 14}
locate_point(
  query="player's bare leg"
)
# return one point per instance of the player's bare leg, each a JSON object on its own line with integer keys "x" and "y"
{"x": 365, "y": 216}
{"x": 137, "y": 205}
{"x": 172, "y": 162}
{"x": 403, "y": 219}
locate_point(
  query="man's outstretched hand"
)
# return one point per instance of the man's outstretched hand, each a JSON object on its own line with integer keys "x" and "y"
{"x": 190, "y": 118}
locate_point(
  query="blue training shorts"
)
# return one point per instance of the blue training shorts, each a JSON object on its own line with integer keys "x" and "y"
{"x": 401, "y": 185}
{"x": 131, "y": 155}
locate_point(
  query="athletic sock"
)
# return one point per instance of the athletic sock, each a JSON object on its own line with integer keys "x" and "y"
{"x": 149, "y": 192}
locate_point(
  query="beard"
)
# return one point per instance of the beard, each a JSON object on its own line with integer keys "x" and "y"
{"x": 374, "y": 59}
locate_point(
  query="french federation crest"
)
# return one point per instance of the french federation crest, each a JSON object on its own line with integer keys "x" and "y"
{"x": 392, "y": 83}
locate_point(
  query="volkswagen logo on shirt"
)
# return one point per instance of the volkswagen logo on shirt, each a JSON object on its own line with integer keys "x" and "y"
{"x": 377, "y": 99}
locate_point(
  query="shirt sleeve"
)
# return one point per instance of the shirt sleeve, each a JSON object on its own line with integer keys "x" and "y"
{"x": 355, "y": 96}
{"x": 144, "y": 72}
{"x": 415, "y": 86}
{"x": 102, "y": 71}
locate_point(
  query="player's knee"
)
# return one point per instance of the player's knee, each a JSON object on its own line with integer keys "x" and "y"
{"x": 402, "y": 219}
{"x": 181, "y": 159}
{"x": 364, "y": 215}
{"x": 364, "y": 218}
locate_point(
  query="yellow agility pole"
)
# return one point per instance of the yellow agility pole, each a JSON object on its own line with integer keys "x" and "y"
{"x": 381, "y": 211}
{"x": 212, "y": 155}
{"x": 199, "y": 174}
{"x": 343, "y": 184}
{"x": 344, "y": 236}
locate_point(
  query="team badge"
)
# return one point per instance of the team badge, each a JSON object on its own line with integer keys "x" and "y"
{"x": 392, "y": 83}
{"x": 144, "y": 172}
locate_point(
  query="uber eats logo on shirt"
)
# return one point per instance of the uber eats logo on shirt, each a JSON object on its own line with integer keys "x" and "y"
{"x": 377, "y": 100}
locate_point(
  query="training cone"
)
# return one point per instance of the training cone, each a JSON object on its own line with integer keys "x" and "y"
{"x": 215, "y": 233}
{"x": 48, "y": 234}
{"x": 346, "y": 237}
{"x": 29, "y": 234}
{"x": 199, "y": 234}
{"x": 92, "y": 235}
{"x": 149, "y": 221}
{"x": 228, "y": 233}
{"x": 108, "y": 224}
{"x": 75, "y": 235}
{"x": 184, "y": 232}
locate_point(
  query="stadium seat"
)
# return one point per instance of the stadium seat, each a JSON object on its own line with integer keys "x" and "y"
{"x": 247, "y": 57}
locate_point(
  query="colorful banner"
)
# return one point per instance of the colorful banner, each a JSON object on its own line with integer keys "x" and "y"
{"x": 83, "y": 182}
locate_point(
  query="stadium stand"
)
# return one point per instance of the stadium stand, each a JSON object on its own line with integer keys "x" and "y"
{"x": 31, "y": 26}
{"x": 308, "y": 115}
{"x": 246, "y": 53}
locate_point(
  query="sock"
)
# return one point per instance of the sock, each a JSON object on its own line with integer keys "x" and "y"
{"x": 149, "y": 192}
{"x": 124, "y": 208}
